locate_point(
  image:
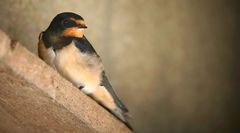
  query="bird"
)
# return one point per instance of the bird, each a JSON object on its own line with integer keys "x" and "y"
{"x": 65, "y": 48}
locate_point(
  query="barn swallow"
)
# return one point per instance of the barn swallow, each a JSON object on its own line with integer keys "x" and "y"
{"x": 65, "y": 48}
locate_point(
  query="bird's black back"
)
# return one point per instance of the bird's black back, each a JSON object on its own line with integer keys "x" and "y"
{"x": 84, "y": 45}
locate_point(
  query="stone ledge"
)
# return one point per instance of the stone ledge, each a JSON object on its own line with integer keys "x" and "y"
{"x": 35, "y": 98}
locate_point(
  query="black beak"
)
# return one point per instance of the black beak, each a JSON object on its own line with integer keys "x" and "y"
{"x": 82, "y": 26}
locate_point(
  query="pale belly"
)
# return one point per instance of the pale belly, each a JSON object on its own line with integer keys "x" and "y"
{"x": 79, "y": 68}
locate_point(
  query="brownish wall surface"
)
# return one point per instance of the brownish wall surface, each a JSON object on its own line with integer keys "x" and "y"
{"x": 174, "y": 63}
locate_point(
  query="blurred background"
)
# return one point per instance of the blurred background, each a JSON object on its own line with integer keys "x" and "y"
{"x": 174, "y": 63}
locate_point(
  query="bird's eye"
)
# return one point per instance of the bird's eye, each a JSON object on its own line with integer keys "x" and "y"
{"x": 68, "y": 23}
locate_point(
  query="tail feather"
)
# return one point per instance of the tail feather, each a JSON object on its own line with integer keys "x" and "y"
{"x": 122, "y": 116}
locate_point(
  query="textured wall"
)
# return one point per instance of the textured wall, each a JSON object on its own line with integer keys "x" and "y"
{"x": 174, "y": 63}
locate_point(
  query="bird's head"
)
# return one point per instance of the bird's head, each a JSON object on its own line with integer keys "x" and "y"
{"x": 67, "y": 24}
{"x": 63, "y": 28}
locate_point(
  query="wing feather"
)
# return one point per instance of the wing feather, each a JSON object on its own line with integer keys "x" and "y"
{"x": 108, "y": 86}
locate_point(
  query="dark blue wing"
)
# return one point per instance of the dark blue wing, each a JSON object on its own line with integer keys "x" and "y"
{"x": 108, "y": 86}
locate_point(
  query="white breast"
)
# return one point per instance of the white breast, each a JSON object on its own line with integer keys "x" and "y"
{"x": 82, "y": 69}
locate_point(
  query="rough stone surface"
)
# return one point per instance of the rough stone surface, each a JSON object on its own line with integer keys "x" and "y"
{"x": 35, "y": 98}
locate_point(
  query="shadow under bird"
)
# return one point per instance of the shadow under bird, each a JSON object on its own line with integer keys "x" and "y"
{"x": 65, "y": 48}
